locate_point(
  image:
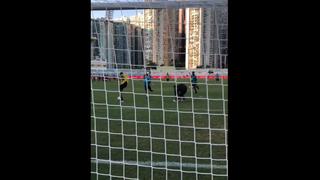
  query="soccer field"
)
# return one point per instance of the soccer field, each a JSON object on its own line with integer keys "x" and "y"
{"x": 152, "y": 137}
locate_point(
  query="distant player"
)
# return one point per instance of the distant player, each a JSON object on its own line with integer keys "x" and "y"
{"x": 194, "y": 82}
{"x": 217, "y": 76}
{"x": 181, "y": 90}
{"x": 147, "y": 82}
{"x": 168, "y": 77}
{"x": 123, "y": 84}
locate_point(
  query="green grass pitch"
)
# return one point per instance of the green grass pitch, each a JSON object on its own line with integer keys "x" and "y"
{"x": 156, "y": 138}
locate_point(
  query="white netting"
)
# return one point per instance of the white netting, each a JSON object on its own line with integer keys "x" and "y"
{"x": 150, "y": 135}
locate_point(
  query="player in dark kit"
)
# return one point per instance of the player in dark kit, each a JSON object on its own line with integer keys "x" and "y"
{"x": 181, "y": 90}
{"x": 194, "y": 82}
{"x": 167, "y": 77}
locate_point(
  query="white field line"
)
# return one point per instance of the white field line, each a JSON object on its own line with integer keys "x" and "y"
{"x": 186, "y": 109}
{"x": 161, "y": 164}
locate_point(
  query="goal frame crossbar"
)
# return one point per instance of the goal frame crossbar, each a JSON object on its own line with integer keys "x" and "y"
{"x": 101, "y": 6}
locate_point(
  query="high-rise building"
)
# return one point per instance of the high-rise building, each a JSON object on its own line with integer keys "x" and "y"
{"x": 161, "y": 33}
{"x": 110, "y": 45}
{"x": 128, "y": 43}
{"x": 93, "y": 42}
{"x": 120, "y": 43}
{"x": 216, "y": 31}
{"x": 98, "y": 32}
{"x": 135, "y": 43}
{"x": 206, "y": 37}
{"x": 191, "y": 37}
{"x": 117, "y": 42}
{"x": 188, "y": 37}
{"x": 137, "y": 20}
{"x": 181, "y": 43}
{"x": 165, "y": 34}
{"x": 148, "y": 26}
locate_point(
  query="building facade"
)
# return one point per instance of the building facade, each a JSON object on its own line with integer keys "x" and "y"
{"x": 206, "y": 37}
{"x": 117, "y": 42}
{"x": 190, "y": 37}
{"x": 161, "y": 35}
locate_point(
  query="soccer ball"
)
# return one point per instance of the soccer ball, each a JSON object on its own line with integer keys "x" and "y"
{"x": 119, "y": 98}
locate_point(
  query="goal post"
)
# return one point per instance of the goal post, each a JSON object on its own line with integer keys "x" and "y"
{"x": 143, "y": 55}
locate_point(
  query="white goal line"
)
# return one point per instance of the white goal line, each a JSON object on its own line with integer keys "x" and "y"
{"x": 162, "y": 164}
{"x": 186, "y": 109}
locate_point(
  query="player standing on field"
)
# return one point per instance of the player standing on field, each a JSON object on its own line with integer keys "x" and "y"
{"x": 179, "y": 90}
{"x": 147, "y": 82}
{"x": 194, "y": 81}
{"x": 123, "y": 83}
{"x": 217, "y": 76}
{"x": 168, "y": 77}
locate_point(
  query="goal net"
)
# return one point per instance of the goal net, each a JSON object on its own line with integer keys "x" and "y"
{"x": 144, "y": 56}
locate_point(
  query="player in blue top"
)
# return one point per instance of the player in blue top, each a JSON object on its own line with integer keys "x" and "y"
{"x": 147, "y": 82}
{"x": 194, "y": 81}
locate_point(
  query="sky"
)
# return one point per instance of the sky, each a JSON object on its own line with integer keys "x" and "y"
{"x": 116, "y": 14}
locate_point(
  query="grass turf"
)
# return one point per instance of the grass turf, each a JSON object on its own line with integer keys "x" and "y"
{"x": 156, "y": 129}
